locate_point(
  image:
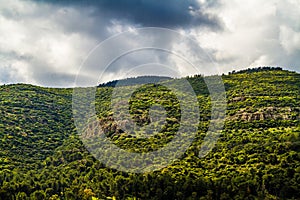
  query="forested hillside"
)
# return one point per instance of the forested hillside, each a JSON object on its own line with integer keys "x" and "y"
{"x": 256, "y": 157}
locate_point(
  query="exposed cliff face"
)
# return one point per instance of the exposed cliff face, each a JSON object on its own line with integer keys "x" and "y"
{"x": 266, "y": 113}
{"x": 108, "y": 127}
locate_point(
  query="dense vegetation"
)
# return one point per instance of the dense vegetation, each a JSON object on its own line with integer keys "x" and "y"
{"x": 256, "y": 157}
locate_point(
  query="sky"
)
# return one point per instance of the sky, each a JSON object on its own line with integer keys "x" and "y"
{"x": 50, "y": 43}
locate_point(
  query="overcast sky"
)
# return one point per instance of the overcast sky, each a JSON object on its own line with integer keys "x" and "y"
{"x": 46, "y": 42}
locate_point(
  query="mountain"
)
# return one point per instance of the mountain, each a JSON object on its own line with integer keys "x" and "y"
{"x": 135, "y": 81}
{"x": 256, "y": 156}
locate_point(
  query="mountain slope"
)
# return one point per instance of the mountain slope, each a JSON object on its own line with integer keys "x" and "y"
{"x": 257, "y": 155}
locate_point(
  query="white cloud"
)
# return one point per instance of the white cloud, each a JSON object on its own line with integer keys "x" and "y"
{"x": 256, "y": 33}
{"x": 289, "y": 39}
{"x": 36, "y": 44}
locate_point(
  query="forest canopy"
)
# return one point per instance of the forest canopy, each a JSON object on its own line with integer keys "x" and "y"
{"x": 256, "y": 157}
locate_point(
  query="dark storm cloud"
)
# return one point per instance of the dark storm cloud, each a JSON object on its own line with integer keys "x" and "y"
{"x": 154, "y": 13}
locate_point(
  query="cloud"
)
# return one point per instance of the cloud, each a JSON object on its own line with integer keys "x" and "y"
{"x": 35, "y": 43}
{"x": 151, "y": 13}
{"x": 289, "y": 39}
{"x": 255, "y": 33}
{"x": 45, "y": 42}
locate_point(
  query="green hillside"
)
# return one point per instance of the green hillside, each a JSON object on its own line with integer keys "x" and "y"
{"x": 256, "y": 157}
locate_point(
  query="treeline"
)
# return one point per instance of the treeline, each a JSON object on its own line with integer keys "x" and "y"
{"x": 258, "y": 69}
{"x": 135, "y": 81}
